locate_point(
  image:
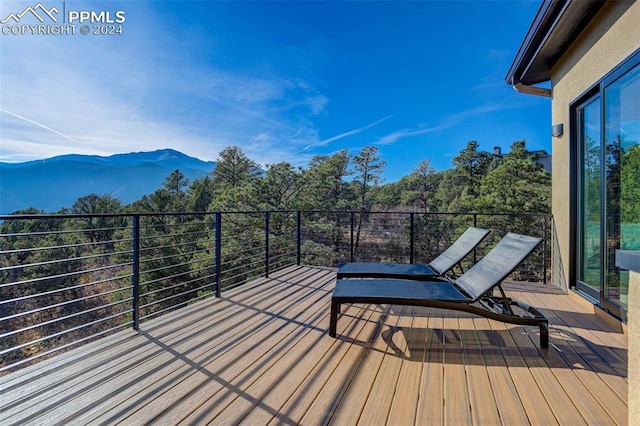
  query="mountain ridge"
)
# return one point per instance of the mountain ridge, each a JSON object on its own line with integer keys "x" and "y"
{"x": 57, "y": 182}
{"x": 131, "y": 159}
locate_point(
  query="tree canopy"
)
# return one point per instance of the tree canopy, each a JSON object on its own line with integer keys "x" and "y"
{"x": 478, "y": 181}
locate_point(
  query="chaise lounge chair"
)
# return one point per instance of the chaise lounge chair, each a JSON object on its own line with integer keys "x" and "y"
{"x": 471, "y": 292}
{"x": 439, "y": 266}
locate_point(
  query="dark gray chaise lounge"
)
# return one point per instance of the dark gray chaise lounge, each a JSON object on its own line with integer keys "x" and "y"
{"x": 471, "y": 292}
{"x": 446, "y": 261}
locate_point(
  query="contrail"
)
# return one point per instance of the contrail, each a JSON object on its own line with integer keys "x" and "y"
{"x": 349, "y": 133}
{"x": 42, "y": 126}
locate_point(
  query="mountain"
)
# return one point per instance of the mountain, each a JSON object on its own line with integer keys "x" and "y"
{"x": 54, "y": 183}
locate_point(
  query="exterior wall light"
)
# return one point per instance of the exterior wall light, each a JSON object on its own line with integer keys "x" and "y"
{"x": 557, "y": 130}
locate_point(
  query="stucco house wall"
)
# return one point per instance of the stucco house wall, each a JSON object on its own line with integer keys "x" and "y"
{"x": 610, "y": 37}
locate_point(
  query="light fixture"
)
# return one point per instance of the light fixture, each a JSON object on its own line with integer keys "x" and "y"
{"x": 557, "y": 130}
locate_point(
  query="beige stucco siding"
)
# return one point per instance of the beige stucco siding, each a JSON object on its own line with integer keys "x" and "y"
{"x": 612, "y": 36}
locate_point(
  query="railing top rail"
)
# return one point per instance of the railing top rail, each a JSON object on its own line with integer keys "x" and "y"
{"x": 97, "y": 215}
{"x": 113, "y": 215}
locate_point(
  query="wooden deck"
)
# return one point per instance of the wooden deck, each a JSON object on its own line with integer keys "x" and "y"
{"x": 262, "y": 355}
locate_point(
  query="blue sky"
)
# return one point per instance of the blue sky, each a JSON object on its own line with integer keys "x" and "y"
{"x": 282, "y": 80}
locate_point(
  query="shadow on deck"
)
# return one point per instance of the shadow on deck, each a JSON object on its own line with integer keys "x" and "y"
{"x": 262, "y": 355}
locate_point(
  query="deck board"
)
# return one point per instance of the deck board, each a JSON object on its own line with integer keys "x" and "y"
{"x": 379, "y": 403}
{"x": 481, "y": 397}
{"x": 456, "y": 398}
{"x": 262, "y": 355}
{"x": 351, "y": 406}
{"x": 508, "y": 402}
{"x": 331, "y": 396}
{"x": 600, "y": 369}
{"x": 410, "y": 349}
{"x": 529, "y": 393}
{"x": 431, "y": 404}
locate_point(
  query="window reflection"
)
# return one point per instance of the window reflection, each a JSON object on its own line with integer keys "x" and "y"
{"x": 590, "y": 258}
{"x": 622, "y": 130}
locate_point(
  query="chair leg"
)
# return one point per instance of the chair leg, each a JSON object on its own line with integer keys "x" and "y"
{"x": 333, "y": 321}
{"x": 544, "y": 335}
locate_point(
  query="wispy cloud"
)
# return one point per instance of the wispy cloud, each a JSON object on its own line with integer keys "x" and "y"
{"x": 394, "y": 137}
{"x": 492, "y": 83}
{"x": 447, "y": 123}
{"x": 327, "y": 141}
{"x": 135, "y": 93}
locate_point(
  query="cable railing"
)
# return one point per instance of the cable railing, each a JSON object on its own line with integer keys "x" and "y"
{"x": 66, "y": 280}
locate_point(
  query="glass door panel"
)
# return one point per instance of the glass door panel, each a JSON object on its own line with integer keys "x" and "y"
{"x": 622, "y": 132}
{"x": 590, "y": 259}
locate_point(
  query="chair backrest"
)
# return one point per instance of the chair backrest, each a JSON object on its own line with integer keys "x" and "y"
{"x": 458, "y": 250}
{"x": 503, "y": 258}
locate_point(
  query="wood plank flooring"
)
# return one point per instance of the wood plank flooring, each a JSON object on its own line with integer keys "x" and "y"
{"x": 261, "y": 355}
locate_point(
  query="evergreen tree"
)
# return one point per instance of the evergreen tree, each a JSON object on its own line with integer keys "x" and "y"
{"x": 234, "y": 169}
{"x": 390, "y": 195}
{"x": 471, "y": 166}
{"x": 278, "y": 189}
{"x": 99, "y": 228}
{"x": 200, "y": 194}
{"x": 448, "y": 193}
{"x": 517, "y": 185}
{"x": 233, "y": 175}
{"x": 422, "y": 185}
{"x": 630, "y": 193}
{"x": 368, "y": 173}
{"x": 368, "y": 170}
{"x": 158, "y": 202}
{"x": 175, "y": 182}
{"x": 327, "y": 187}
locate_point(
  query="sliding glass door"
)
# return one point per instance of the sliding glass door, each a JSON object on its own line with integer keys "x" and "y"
{"x": 622, "y": 151}
{"x": 590, "y": 229}
{"x": 608, "y": 199}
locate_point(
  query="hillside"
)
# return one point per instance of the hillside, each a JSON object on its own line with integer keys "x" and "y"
{"x": 57, "y": 182}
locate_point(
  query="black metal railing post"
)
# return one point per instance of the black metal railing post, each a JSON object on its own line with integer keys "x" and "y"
{"x": 411, "y": 237}
{"x": 298, "y": 237}
{"x": 475, "y": 250}
{"x": 135, "y": 279}
{"x": 218, "y": 254}
{"x": 352, "y": 236}
{"x": 544, "y": 248}
{"x": 266, "y": 244}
